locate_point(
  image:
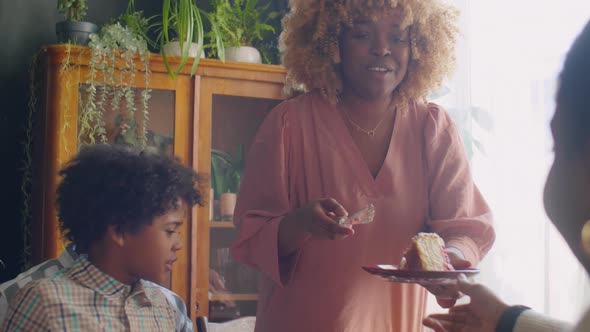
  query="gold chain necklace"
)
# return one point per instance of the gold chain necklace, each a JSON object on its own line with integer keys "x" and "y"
{"x": 369, "y": 133}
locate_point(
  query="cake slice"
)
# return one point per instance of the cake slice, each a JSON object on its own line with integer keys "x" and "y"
{"x": 426, "y": 253}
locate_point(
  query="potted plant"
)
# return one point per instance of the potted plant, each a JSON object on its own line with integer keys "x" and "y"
{"x": 181, "y": 33}
{"x": 117, "y": 56}
{"x": 73, "y": 29}
{"x": 137, "y": 23}
{"x": 241, "y": 24}
{"x": 226, "y": 175}
{"x": 118, "y": 52}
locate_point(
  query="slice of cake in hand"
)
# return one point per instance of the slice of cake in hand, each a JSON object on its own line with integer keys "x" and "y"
{"x": 426, "y": 253}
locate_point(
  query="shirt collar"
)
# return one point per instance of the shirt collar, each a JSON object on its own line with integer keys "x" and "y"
{"x": 68, "y": 256}
{"x": 88, "y": 275}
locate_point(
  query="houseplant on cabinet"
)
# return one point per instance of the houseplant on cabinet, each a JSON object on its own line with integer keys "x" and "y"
{"x": 73, "y": 29}
{"x": 182, "y": 33}
{"x": 242, "y": 23}
{"x": 226, "y": 176}
{"x": 138, "y": 23}
{"x": 114, "y": 43}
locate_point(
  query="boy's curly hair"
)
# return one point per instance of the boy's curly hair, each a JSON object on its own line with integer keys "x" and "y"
{"x": 310, "y": 50}
{"x": 117, "y": 185}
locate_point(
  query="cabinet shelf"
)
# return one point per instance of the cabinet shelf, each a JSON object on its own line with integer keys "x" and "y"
{"x": 234, "y": 297}
{"x": 221, "y": 224}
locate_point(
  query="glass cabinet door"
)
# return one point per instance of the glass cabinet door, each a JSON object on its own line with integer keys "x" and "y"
{"x": 235, "y": 120}
{"x": 122, "y": 126}
{"x": 116, "y": 116}
{"x": 112, "y": 120}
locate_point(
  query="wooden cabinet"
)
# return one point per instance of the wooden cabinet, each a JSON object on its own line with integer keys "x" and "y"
{"x": 220, "y": 107}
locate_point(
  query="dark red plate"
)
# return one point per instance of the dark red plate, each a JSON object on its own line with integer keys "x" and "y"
{"x": 393, "y": 274}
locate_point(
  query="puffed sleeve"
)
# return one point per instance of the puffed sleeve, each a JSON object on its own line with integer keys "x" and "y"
{"x": 263, "y": 200}
{"x": 458, "y": 211}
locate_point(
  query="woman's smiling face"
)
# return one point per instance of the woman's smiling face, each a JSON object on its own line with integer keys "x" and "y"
{"x": 374, "y": 56}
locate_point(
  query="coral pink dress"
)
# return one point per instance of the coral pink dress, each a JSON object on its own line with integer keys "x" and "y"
{"x": 302, "y": 152}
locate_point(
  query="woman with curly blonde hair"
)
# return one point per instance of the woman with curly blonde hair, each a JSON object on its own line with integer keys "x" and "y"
{"x": 360, "y": 134}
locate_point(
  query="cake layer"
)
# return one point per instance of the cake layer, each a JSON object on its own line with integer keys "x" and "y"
{"x": 426, "y": 252}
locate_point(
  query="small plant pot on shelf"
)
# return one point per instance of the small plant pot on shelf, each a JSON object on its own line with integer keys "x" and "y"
{"x": 243, "y": 54}
{"x": 74, "y": 32}
{"x": 173, "y": 48}
{"x": 227, "y": 204}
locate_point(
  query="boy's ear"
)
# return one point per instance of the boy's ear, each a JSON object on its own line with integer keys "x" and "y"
{"x": 116, "y": 235}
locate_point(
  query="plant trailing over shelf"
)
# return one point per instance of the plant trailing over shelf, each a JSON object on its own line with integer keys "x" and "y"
{"x": 67, "y": 69}
{"x": 27, "y": 163}
{"x": 113, "y": 44}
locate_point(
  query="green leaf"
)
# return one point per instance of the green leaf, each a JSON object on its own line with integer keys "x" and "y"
{"x": 165, "y": 21}
{"x": 241, "y": 22}
{"x": 181, "y": 17}
{"x": 220, "y": 171}
{"x": 197, "y": 29}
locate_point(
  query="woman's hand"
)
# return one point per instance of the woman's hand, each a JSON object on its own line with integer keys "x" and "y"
{"x": 447, "y": 294}
{"x": 481, "y": 314}
{"x": 317, "y": 220}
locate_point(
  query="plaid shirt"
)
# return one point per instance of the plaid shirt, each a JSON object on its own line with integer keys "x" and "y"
{"x": 83, "y": 286}
{"x": 83, "y": 298}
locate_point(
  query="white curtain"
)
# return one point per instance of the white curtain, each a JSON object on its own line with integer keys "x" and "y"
{"x": 502, "y": 97}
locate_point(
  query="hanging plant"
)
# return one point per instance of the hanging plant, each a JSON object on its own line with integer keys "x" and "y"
{"x": 27, "y": 164}
{"x": 115, "y": 45}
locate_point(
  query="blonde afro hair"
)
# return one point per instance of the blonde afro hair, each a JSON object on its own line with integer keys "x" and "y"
{"x": 310, "y": 49}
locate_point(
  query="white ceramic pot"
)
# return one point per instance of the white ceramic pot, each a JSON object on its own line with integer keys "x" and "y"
{"x": 243, "y": 54}
{"x": 227, "y": 204}
{"x": 173, "y": 48}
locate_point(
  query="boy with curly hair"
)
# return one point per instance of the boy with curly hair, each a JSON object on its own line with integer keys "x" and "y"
{"x": 123, "y": 210}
